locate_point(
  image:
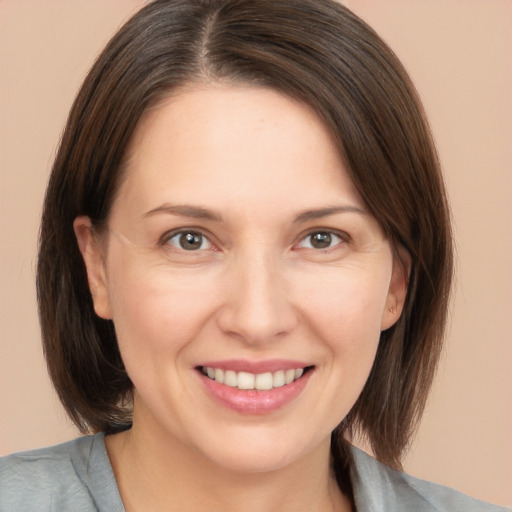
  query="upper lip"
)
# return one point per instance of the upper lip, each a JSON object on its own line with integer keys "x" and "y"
{"x": 256, "y": 367}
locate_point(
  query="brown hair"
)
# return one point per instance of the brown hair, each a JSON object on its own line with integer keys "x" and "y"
{"x": 316, "y": 51}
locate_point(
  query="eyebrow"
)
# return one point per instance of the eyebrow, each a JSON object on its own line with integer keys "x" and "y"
{"x": 320, "y": 213}
{"x": 197, "y": 212}
{"x": 184, "y": 210}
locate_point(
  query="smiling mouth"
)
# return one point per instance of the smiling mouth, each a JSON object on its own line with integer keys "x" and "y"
{"x": 252, "y": 381}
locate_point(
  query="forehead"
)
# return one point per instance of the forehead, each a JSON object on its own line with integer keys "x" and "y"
{"x": 251, "y": 142}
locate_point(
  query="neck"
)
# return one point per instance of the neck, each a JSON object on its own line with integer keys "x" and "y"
{"x": 154, "y": 474}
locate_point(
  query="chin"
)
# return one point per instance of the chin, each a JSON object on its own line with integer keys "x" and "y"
{"x": 261, "y": 452}
{"x": 249, "y": 462}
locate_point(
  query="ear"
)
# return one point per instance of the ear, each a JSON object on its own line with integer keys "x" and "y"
{"x": 93, "y": 256}
{"x": 397, "y": 292}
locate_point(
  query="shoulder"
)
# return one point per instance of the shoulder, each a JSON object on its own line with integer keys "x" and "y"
{"x": 380, "y": 489}
{"x": 70, "y": 476}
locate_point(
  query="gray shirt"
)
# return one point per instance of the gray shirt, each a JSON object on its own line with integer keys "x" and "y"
{"x": 77, "y": 477}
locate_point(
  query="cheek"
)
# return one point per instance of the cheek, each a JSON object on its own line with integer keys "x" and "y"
{"x": 154, "y": 312}
{"x": 343, "y": 313}
{"x": 346, "y": 305}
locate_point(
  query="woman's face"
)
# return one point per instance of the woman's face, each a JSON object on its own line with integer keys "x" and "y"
{"x": 238, "y": 247}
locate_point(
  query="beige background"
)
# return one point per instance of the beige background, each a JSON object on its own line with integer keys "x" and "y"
{"x": 459, "y": 53}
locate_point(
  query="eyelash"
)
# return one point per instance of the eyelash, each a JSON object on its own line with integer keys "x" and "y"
{"x": 166, "y": 239}
{"x": 342, "y": 238}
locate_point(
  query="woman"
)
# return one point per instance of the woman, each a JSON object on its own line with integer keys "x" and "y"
{"x": 245, "y": 260}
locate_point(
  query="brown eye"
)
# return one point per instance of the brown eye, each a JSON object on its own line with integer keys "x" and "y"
{"x": 320, "y": 240}
{"x": 189, "y": 241}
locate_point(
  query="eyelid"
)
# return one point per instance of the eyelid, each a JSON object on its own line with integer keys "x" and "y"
{"x": 164, "y": 239}
{"x": 342, "y": 235}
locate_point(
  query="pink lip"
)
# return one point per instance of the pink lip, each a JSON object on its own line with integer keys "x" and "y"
{"x": 243, "y": 365}
{"x": 253, "y": 402}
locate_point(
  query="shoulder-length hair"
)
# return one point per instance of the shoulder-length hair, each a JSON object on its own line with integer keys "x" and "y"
{"x": 315, "y": 51}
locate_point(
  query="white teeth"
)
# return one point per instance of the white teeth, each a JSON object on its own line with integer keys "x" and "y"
{"x": 230, "y": 378}
{"x": 219, "y": 375}
{"x": 278, "y": 379}
{"x": 263, "y": 381}
{"x": 246, "y": 380}
{"x": 289, "y": 376}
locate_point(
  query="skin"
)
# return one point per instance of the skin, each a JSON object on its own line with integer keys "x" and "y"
{"x": 256, "y": 289}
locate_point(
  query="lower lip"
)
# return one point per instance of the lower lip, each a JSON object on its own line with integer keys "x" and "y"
{"x": 252, "y": 401}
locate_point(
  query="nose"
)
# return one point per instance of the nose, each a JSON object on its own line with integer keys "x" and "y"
{"x": 257, "y": 307}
